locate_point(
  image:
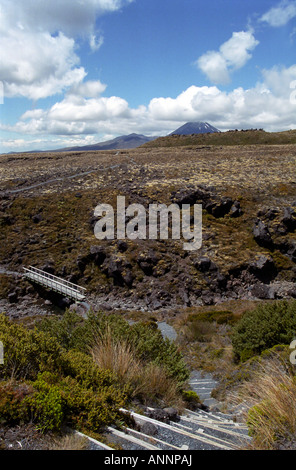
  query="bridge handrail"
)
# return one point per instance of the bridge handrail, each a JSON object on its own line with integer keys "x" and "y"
{"x": 57, "y": 279}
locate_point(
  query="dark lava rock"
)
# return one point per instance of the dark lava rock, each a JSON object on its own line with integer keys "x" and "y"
{"x": 235, "y": 210}
{"x": 37, "y": 218}
{"x": 149, "y": 428}
{"x": 97, "y": 254}
{"x": 289, "y": 219}
{"x": 12, "y": 297}
{"x": 261, "y": 291}
{"x": 158, "y": 414}
{"x": 172, "y": 413}
{"x": 122, "y": 246}
{"x": 147, "y": 261}
{"x": 205, "y": 264}
{"x": 190, "y": 196}
{"x": 114, "y": 268}
{"x": 128, "y": 278}
{"x": 264, "y": 268}
{"x": 262, "y": 235}
{"x": 221, "y": 208}
{"x": 207, "y": 297}
{"x": 82, "y": 262}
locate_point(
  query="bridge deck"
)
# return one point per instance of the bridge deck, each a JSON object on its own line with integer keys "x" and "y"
{"x": 55, "y": 283}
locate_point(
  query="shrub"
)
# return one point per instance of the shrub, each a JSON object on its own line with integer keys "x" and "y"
{"x": 82, "y": 367}
{"x": 191, "y": 398}
{"x": 266, "y": 326}
{"x": 46, "y": 405}
{"x": 26, "y": 352}
{"x": 52, "y": 401}
{"x": 51, "y": 386}
{"x": 13, "y": 407}
{"x": 89, "y": 409}
{"x": 144, "y": 338}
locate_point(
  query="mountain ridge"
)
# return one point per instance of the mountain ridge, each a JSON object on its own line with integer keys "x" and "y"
{"x": 122, "y": 142}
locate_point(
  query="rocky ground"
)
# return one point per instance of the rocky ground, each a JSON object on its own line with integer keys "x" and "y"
{"x": 248, "y": 196}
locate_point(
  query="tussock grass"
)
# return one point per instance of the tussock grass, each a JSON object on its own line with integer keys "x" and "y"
{"x": 148, "y": 381}
{"x": 69, "y": 442}
{"x": 271, "y": 394}
{"x": 116, "y": 355}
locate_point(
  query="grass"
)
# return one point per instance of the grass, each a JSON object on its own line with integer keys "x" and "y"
{"x": 271, "y": 394}
{"x": 145, "y": 381}
{"x": 69, "y": 442}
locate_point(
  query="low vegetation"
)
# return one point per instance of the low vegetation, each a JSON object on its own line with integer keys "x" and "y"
{"x": 249, "y": 352}
{"x": 66, "y": 371}
{"x": 269, "y": 324}
{"x": 233, "y": 137}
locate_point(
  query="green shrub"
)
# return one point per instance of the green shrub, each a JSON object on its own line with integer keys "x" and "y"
{"x": 26, "y": 352}
{"x": 82, "y": 367}
{"x": 191, "y": 399}
{"x": 219, "y": 316}
{"x": 46, "y": 405}
{"x": 268, "y": 325}
{"x": 89, "y": 409}
{"x": 144, "y": 338}
{"x": 51, "y": 402}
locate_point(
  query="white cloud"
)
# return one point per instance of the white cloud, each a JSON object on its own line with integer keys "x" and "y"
{"x": 89, "y": 89}
{"x": 281, "y": 14}
{"x": 267, "y": 105}
{"x": 73, "y": 17}
{"x": 38, "y": 65}
{"x": 214, "y": 66}
{"x": 37, "y": 42}
{"x": 232, "y": 55}
{"x": 95, "y": 42}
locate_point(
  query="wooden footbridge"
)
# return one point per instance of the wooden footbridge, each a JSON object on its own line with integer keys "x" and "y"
{"x": 55, "y": 283}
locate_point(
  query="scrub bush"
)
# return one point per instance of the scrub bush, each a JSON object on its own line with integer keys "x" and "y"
{"x": 266, "y": 326}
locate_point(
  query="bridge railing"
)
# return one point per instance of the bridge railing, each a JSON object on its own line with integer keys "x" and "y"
{"x": 55, "y": 283}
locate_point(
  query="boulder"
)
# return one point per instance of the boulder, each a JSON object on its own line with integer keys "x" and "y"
{"x": 147, "y": 262}
{"x": 205, "y": 264}
{"x": 221, "y": 208}
{"x": 263, "y": 268}
{"x": 172, "y": 413}
{"x": 190, "y": 196}
{"x": 261, "y": 291}
{"x": 97, "y": 254}
{"x": 158, "y": 414}
{"x": 149, "y": 428}
{"x": 235, "y": 210}
{"x": 122, "y": 246}
{"x": 289, "y": 219}
{"x": 262, "y": 235}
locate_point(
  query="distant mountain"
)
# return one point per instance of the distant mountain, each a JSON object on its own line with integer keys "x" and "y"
{"x": 195, "y": 128}
{"x": 123, "y": 142}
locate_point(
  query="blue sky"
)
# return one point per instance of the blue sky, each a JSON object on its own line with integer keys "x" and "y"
{"x": 76, "y": 72}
